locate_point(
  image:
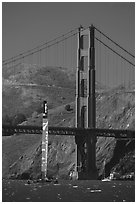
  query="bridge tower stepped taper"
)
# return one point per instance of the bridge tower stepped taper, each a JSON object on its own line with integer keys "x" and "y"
{"x": 86, "y": 106}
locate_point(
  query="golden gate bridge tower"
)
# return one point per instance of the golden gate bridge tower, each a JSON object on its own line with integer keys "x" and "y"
{"x": 86, "y": 105}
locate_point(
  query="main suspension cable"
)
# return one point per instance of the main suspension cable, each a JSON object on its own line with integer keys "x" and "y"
{"x": 28, "y": 54}
{"x": 40, "y": 46}
{"x": 115, "y": 43}
{"x": 115, "y": 52}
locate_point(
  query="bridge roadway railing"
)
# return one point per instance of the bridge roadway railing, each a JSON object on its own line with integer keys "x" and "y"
{"x": 117, "y": 133}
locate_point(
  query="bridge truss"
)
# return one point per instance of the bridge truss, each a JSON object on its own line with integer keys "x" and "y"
{"x": 118, "y": 134}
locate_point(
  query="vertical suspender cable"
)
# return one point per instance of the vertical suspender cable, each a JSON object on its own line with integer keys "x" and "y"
{"x": 63, "y": 51}
{"x": 121, "y": 72}
{"x": 37, "y": 58}
{"x": 115, "y": 73}
{"x": 40, "y": 61}
{"x": 108, "y": 68}
{"x": 57, "y": 64}
{"x": 45, "y": 57}
{"x": 71, "y": 54}
{"x": 105, "y": 68}
{"x": 59, "y": 54}
{"x": 49, "y": 56}
{"x": 100, "y": 59}
{"x": 32, "y": 59}
{"x": 66, "y": 56}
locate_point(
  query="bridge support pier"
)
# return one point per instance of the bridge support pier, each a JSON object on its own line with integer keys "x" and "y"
{"x": 86, "y": 107}
{"x": 91, "y": 157}
{"x": 86, "y": 157}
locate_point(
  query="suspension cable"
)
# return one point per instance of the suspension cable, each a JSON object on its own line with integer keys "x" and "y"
{"x": 40, "y": 46}
{"x": 28, "y": 54}
{"x": 115, "y": 43}
{"x": 115, "y": 52}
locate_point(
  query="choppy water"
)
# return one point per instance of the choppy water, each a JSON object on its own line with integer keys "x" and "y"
{"x": 68, "y": 191}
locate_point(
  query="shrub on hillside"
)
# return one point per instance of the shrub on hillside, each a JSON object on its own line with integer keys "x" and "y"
{"x": 18, "y": 118}
{"x": 68, "y": 107}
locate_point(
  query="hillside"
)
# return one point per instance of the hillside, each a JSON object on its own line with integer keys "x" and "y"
{"x": 115, "y": 109}
{"x": 26, "y": 86}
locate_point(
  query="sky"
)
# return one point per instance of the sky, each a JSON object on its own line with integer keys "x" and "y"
{"x": 25, "y": 25}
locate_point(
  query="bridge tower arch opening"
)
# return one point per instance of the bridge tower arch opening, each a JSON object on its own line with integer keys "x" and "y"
{"x": 86, "y": 105}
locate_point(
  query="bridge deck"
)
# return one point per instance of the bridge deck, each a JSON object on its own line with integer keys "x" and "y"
{"x": 10, "y": 130}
